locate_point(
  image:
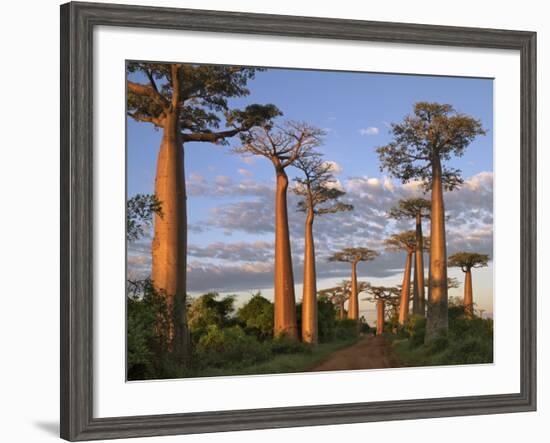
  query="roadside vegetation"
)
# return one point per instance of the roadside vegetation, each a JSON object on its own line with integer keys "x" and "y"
{"x": 469, "y": 340}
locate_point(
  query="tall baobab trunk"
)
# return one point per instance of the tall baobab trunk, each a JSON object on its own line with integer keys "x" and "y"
{"x": 285, "y": 303}
{"x": 379, "y": 316}
{"x": 170, "y": 234}
{"x": 353, "y": 306}
{"x": 419, "y": 307}
{"x": 437, "y": 319}
{"x": 468, "y": 295}
{"x": 309, "y": 297}
{"x": 405, "y": 291}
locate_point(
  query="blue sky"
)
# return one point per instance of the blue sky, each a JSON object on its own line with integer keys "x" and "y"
{"x": 230, "y": 204}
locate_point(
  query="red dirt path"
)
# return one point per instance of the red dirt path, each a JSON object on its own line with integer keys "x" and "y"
{"x": 372, "y": 352}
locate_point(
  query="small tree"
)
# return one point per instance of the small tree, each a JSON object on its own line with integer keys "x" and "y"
{"x": 466, "y": 261}
{"x": 257, "y": 316}
{"x": 354, "y": 256}
{"x": 417, "y": 209}
{"x": 283, "y": 145}
{"x": 319, "y": 196}
{"x": 421, "y": 144}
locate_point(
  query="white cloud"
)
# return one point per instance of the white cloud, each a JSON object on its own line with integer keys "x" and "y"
{"x": 249, "y": 160}
{"x": 334, "y": 167}
{"x": 245, "y": 172}
{"x": 371, "y": 130}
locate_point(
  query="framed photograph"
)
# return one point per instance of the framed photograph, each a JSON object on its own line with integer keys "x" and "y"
{"x": 272, "y": 221}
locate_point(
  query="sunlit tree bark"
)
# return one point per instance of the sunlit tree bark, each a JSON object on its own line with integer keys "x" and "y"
{"x": 185, "y": 102}
{"x": 319, "y": 196}
{"x": 283, "y": 145}
{"x": 417, "y": 209}
{"x": 384, "y": 297}
{"x": 354, "y": 256}
{"x": 466, "y": 261}
{"x": 421, "y": 143}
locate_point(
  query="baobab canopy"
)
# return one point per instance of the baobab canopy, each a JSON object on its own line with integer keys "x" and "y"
{"x": 468, "y": 260}
{"x": 432, "y": 128}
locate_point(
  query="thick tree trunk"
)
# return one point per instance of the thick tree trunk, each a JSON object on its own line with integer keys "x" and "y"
{"x": 437, "y": 319}
{"x": 468, "y": 295}
{"x": 419, "y": 307}
{"x": 309, "y": 296}
{"x": 170, "y": 235}
{"x": 405, "y": 291}
{"x": 379, "y": 316}
{"x": 285, "y": 303}
{"x": 353, "y": 306}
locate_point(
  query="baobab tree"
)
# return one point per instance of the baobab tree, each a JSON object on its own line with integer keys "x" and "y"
{"x": 338, "y": 295}
{"x": 417, "y": 209}
{"x": 466, "y": 261}
{"x": 319, "y": 196}
{"x": 354, "y": 256}
{"x": 383, "y": 296}
{"x": 404, "y": 241}
{"x": 283, "y": 145}
{"x": 421, "y": 145}
{"x": 187, "y": 103}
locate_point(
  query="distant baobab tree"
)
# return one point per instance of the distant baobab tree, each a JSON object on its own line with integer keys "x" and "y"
{"x": 186, "y": 102}
{"x": 417, "y": 209}
{"x": 283, "y": 145}
{"x": 421, "y": 144}
{"x": 466, "y": 261}
{"x": 319, "y": 196}
{"x": 404, "y": 241}
{"x": 383, "y": 296}
{"x": 354, "y": 256}
{"x": 338, "y": 295}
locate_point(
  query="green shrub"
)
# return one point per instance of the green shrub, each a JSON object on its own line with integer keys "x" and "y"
{"x": 147, "y": 332}
{"x": 345, "y": 329}
{"x": 325, "y": 319}
{"x": 467, "y": 341}
{"x": 229, "y": 347}
{"x": 283, "y": 345}
{"x": 257, "y": 317}
{"x": 416, "y": 328}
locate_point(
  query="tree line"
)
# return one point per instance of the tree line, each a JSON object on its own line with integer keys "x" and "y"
{"x": 189, "y": 103}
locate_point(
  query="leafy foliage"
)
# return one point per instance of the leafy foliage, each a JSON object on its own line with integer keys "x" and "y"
{"x": 467, "y": 341}
{"x": 402, "y": 241}
{"x": 223, "y": 346}
{"x": 147, "y": 331}
{"x": 207, "y": 311}
{"x": 410, "y": 207}
{"x": 139, "y": 213}
{"x": 468, "y": 260}
{"x": 351, "y": 255}
{"x": 434, "y": 132}
{"x": 257, "y": 316}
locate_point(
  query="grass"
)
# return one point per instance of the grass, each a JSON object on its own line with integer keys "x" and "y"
{"x": 282, "y": 363}
{"x": 466, "y": 342}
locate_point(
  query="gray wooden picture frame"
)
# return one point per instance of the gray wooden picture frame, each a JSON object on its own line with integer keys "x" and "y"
{"x": 77, "y": 23}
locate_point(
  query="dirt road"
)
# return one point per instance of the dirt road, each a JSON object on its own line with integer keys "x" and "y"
{"x": 372, "y": 352}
